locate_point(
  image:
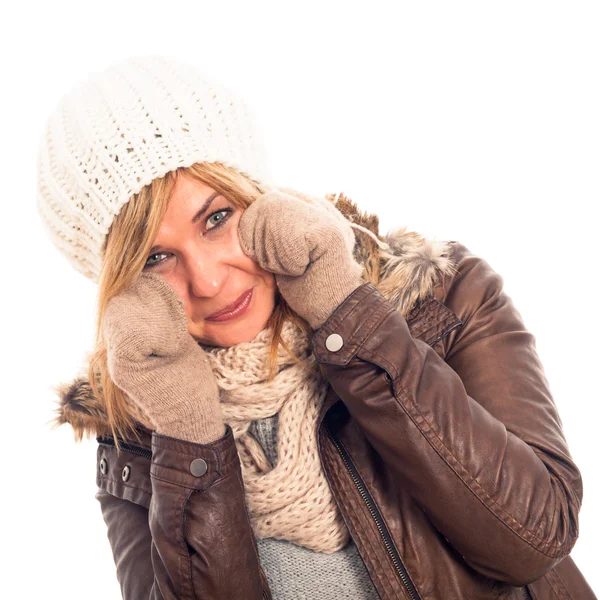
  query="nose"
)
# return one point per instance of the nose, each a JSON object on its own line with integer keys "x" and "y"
{"x": 207, "y": 275}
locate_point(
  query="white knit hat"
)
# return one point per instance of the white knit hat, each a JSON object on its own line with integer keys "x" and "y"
{"x": 112, "y": 135}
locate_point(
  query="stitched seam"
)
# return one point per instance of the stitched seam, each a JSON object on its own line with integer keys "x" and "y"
{"x": 554, "y": 512}
{"x": 125, "y": 484}
{"x": 580, "y": 498}
{"x": 424, "y": 326}
{"x": 383, "y": 519}
{"x": 548, "y": 578}
{"x": 373, "y": 323}
{"x": 185, "y": 561}
{"x": 187, "y": 487}
{"x": 561, "y": 584}
{"x": 221, "y": 464}
{"x": 336, "y": 318}
{"x": 381, "y": 570}
{"x": 333, "y": 322}
{"x": 164, "y": 445}
{"x": 181, "y": 453}
{"x": 544, "y": 545}
{"x": 443, "y": 333}
{"x": 254, "y": 546}
{"x": 183, "y": 529}
{"x": 500, "y": 507}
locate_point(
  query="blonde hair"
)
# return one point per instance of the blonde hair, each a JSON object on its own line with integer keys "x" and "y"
{"x": 125, "y": 252}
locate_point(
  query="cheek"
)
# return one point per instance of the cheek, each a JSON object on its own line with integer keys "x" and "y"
{"x": 242, "y": 259}
{"x": 245, "y": 262}
{"x": 269, "y": 278}
{"x": 233, "y": 238}
{"x": 270, "y": 287}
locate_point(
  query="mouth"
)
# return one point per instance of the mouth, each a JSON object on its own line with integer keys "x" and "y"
{"x": 234, "y": 310}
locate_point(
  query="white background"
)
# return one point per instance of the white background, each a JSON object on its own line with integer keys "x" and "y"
{"x": 462, "y": 120}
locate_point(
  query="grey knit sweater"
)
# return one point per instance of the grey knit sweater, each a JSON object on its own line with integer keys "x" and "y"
{"x": 297, "y": 573}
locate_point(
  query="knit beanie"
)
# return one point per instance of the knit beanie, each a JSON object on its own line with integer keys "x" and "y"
{"x": 125, "y": 126}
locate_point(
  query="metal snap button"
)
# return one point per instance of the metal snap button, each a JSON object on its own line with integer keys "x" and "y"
{"x": 334, "y": 342}
{"x": 198, "y": 467}
{"x": 103, "y": 466}
{"x": 125, "y": 473}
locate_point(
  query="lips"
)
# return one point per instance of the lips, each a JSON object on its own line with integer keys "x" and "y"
{"x": 231, "y": 306}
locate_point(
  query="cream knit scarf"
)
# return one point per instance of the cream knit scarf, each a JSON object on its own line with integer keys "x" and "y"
{"x": 291, "y": 501}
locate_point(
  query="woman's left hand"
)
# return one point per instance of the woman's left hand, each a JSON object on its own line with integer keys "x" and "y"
{"x": 308, "y": 249}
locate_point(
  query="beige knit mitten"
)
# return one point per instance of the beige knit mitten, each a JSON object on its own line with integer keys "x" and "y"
{"x": 309, "y": 250}
{"x": 153, "y": 358}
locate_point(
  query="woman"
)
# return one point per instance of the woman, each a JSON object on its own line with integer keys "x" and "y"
{"x": 371, "y": 420}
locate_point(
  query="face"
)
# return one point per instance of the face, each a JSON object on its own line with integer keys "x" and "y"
{"x": 206, "y": 266}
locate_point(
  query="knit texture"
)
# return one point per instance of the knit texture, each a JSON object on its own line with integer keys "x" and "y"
{"x": 295, "y": 572}
{"x": 153, "y": 358}
{"x": 125, "y": 126}
{"x": 309, "y": 249}
{"x": 292, "y": 500}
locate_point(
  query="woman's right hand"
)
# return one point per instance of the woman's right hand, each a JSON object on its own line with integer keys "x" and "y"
{"x": 153, "y": 358}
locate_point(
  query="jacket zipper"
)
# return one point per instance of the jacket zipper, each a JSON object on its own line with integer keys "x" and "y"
{"x": 109, "y": 441}
{"x": 383, "y": 530}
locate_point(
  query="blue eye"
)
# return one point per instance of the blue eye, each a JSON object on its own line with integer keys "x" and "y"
{"x": 226, "y": 214}
{"x": 149, "y": 265}
{"x": 218, "y": 212}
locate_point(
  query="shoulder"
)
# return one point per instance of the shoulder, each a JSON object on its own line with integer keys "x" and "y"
{"x": 473, "y": 281}
{"x": 475, "y": 293}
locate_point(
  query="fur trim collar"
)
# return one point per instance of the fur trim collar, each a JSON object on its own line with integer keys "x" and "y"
{"x": 406, "y": 273}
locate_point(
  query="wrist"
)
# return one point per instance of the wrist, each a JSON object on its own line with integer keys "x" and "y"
{"x": 338, "y": 287}
{"x": 200, "y": 429}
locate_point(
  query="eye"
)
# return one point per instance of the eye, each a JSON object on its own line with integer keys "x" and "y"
{"x": 225, "y": 212}
{"x": 150, "y": 265}
{"x": 222, "y": 220}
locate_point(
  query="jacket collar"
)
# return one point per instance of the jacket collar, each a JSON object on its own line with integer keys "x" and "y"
{"x": 407, "y": 279}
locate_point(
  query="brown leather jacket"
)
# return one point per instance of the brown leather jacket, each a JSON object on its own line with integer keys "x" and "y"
{"x": 440, "y": 441}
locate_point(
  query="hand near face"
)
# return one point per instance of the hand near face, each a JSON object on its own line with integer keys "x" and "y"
{"x": 156, "y": 362}
{"x": 308, "y": 249}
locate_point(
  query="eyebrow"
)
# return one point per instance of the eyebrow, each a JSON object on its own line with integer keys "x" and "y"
{"x": 205, "y": 206}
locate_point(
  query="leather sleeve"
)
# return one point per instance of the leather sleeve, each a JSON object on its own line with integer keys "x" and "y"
{"x": 130, "y": 540}
{"x": 476, "y": 438}
{"x": 194, "y": 539}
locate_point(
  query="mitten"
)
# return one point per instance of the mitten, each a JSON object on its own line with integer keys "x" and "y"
{"x": 153, "y": 358}
{"x": 308, "y": 249}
